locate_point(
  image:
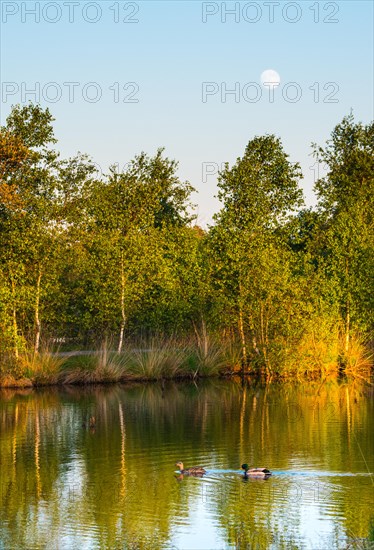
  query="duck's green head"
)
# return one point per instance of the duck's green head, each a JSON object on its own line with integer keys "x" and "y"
{"x": 245, "y": 467}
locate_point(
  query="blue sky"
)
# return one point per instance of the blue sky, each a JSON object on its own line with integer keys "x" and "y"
{"x": 323, "y": 52}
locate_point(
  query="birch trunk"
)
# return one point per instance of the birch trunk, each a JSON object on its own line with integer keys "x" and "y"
{"x": 347, "y": 329}
{"x": 264, "y": 341}
{"x": 205, "y": 337}
{"x": 37, "y": 314}
{"x": 242, "y": 338}
{"x": 348, "y": 314}
{"x": 15, "y": 326}
{"x": 123, "y": 315}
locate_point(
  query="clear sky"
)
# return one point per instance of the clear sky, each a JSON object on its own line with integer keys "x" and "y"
{"x": 79, "y": 55}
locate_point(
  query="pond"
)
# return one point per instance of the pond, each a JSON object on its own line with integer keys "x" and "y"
{"x": 113, "y": 484}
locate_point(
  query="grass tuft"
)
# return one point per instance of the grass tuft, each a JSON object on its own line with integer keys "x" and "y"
{"x": 158, "y": 358}
{"x": 315, "y": 355}
{"x": 358, "y": 361}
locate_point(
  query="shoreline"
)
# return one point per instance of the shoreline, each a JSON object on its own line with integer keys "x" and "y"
{"x": 28, "y": 383}
{"x": 167, "y": 362}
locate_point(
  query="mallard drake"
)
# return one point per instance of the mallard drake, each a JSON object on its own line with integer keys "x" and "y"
{"x": 255, "y": 472}
{"x": 194, "y": 471}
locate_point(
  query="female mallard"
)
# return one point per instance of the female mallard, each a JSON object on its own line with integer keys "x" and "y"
{"x": 194, "y": 471}
{"x": 255, "y": 472}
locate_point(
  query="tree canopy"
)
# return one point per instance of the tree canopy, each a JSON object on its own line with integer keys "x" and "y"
{"x": 82, "y": 257}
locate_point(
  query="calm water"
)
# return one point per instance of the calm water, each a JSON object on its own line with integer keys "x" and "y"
{"x": 67, "y": 486}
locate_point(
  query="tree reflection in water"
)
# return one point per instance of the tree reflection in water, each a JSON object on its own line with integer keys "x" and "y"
{"x": 115, "y": 485}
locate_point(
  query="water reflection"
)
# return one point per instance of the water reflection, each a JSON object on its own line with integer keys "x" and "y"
{"x": 67, "y": 482}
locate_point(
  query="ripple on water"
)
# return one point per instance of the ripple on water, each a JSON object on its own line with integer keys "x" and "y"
{"x": 116, "y": 486}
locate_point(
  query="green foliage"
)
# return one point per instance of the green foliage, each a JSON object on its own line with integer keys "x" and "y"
{"x": 345, "y": 231}
{"x": 269, "y": 287}
{"x": 253, "y": 265}
{"x": 32, "y": 124}
{"x": 261, "y": 189}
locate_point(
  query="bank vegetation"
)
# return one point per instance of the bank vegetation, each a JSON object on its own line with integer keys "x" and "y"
{"x": 115, "y": 264}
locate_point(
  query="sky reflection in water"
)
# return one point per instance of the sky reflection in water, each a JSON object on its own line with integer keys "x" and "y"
{"x": 66, "y": 485}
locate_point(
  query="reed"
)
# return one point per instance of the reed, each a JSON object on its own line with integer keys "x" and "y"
{"x": 102, "y": 366}
{"x": 40, "y": 368}
{"x": 159, "y": 357}
{"x": 317, "y": 354}
{"x": 206, "y": 356}
{"x": 358, "y": 360}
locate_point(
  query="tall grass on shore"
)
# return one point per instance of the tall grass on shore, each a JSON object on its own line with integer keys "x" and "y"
{"x": 321, "y": 351}
{"x": 159, "y": 358}
{"x": 31, "y": 368}
{"x": 207, "y": 357}
{"x": 358, "y": 362}
{"x": 101, "y": 366}
{"x": 315, "y": 356}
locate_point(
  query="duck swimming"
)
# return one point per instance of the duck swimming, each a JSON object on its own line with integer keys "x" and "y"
{"x": 193, "y": 471}
{"x": 255, "y": 472}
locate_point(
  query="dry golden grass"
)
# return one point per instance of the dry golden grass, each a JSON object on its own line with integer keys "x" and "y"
{"x": 8, "y": 381}
{"x": 41, "y": 368}
{"x": 358, "y": 361}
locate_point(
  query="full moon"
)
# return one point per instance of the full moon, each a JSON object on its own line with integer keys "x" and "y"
{"x": 270, "y": 79}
